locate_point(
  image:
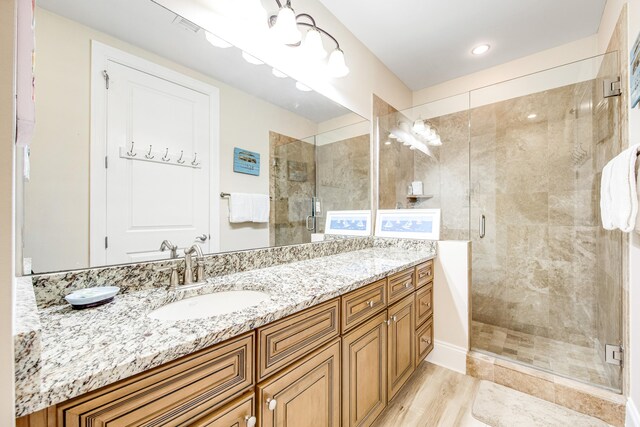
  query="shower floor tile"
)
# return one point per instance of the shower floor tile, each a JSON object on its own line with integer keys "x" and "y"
{"x": 561, "y": 358}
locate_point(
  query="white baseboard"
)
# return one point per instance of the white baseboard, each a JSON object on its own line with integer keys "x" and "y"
{"x": 633, "y": 416}
{"x": 449, "y": 356}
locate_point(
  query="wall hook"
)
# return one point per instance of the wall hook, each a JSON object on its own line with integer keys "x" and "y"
{"x": 130, "y": 153}
{"x": 195, "y": 160}
{"x": 166, "y": 157}
{"x": 148, "y": 155}
{"x": 180, "y": 159}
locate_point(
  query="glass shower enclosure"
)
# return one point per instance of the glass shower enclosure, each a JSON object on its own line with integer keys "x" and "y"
{"x": 518, "y": 174}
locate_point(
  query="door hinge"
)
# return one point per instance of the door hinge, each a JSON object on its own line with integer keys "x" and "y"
{"x": 612, "y": 88}
{"x": 106, "y": 162}
{"x": 613, "y": 354}
{"x": 106, "y": 78}
{"x": 106, "y": 242}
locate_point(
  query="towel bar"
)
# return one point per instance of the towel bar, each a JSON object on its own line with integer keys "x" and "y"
{"x": 224, "y": 195}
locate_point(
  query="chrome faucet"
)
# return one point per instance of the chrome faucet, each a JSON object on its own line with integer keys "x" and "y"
{"x": 166, "y": 244}
{"x": 188, "y": 265}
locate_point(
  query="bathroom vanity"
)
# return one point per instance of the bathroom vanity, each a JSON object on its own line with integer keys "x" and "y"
{"x": 338, "y": 361}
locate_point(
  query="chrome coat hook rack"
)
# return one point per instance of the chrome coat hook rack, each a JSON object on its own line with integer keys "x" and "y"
{"x": 130, "y": 153}
{"x": 161, "y": 157}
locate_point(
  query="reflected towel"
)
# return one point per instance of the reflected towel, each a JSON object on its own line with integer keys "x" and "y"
{"x": 259, "y": 208}
{"x": 245, "y": 207}
{"x": 240, "y": 207}
{"x": 618, "y": 191}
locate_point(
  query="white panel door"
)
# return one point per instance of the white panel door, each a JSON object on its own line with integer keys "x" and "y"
{"x": 149, "y": 202}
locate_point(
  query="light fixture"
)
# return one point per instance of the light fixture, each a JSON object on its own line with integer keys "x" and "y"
{"x": 481, "y": 49}
{"x": 387, "y": 143}
{"x": 303, "y": 87}
{"x": 279, "y": 74}
{"x": 418, "y": 126}
{"x": 285, "y": 28}
{"x": 532, "y": 116}
{"x": 392, "y": 136}
{"x": 216, "y": 41}
{"x": 336, "y": 65}
{"x": 251, "y": 59}
{"x": 312, "y": 45}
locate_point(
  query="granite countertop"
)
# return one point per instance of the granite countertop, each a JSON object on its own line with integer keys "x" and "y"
{"x": 80, "y": 351}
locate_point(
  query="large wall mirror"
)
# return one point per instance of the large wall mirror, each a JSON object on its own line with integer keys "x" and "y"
{"x": 145, "y": 124}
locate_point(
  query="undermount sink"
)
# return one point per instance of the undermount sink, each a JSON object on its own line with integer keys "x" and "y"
{"x": 214, "y": 304}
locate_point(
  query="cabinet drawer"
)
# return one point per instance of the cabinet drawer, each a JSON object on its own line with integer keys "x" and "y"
{"x": 401, "y": 284}
{"x": 286, "y": 340}
{"x": 359, "y": 305}
{"x": 306, "y": 394}
{"x": 237, "y": 413}
{"x": 401, "y": 356}
{"x": 169, "y": 395}
{"x": 424, "y": 273}
{"x": 424, "y": 304}
{"x": 424, "y": 340}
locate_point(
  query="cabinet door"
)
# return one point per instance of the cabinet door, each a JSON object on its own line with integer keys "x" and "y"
{"x": 364, "y": 372}
{"x": 307, "y": 394}
{"x": 401, "y": 357}
{"x": 239, "y": 413}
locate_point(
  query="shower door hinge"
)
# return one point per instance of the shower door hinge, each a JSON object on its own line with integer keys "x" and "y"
{"x": 106, "y": 242}
{"x": 612, "y": 88}
{"x": 613, "y": 354}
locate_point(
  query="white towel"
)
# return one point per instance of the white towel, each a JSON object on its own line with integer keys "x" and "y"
{"x": 259, "y": 208}
{"x": 244, "y": 207}
{"x": 618, "y": 191}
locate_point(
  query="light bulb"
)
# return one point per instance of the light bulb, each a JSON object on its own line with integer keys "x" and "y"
{"x": 279, "y": 74}
{"x": 392, "y": 136}
{"x": 302, "y": 87}
{"x": 387, "y": 143}
{"x": 286, "y": 28}
{"x": 418, "y": 126}
{"x": 412, "y": 147}
{"x": 436, "y": 142}
{"x": 216, "y": 41}
{"x": 251, "y": 59}
{"x": 312, "y": 45}
{"x": 336, "y": 65}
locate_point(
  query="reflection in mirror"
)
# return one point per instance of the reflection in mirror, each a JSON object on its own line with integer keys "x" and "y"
{"x": 143, "y": 121}
{"x": 433, "y": 139}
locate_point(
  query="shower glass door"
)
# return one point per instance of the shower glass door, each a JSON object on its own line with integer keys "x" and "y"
{"x": 547, "y": 278}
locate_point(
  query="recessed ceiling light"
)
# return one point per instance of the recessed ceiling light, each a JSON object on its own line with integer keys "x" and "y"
{"x": 532, "y": 116}
{"x": 479, "y": 50}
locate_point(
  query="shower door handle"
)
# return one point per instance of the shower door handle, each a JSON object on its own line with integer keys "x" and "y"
{"x": 482, "y": 226}
{"x": 311, "y": 227}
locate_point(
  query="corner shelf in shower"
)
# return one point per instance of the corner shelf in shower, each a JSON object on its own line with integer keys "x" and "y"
{"x": 420, "y": 197}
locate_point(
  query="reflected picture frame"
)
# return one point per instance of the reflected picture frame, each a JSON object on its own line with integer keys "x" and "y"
{"x": 348, "y": 223}
{"x": 408, "y": 223}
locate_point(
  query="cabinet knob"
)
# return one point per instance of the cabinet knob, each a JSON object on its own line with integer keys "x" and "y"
{"x": 370, "y": 303}
{"x": 272, "y": 404}
{"x": 394, "y": 318}
{"x": 387, "y": 322}
{"x": 250, "y": 421}
{"x": 407, "y": 285}
{"x": 426, "y": 340}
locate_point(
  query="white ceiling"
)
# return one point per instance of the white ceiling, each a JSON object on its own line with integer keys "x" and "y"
{"x": 426, "y": 42}
{"x": 147, "y": 25}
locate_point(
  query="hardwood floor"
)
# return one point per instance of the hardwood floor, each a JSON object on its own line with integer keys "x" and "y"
{"x": 448, "y": 396}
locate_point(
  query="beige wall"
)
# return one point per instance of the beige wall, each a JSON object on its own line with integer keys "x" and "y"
{"x": 7, "y": 137}
{"x": 60, "y": 150}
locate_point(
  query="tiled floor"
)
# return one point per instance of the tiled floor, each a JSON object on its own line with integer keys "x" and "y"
{"x": 570, "y": 360}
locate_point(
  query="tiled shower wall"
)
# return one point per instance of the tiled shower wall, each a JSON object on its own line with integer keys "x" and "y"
{"x": 343, "y": 180}
{"x": 535, "y": 182}
{"x": 292, "y": 182}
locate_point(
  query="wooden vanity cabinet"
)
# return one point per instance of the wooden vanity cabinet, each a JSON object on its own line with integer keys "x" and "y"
{"x": 239, "y": 413}
{"x": 173, "y": 394}
{"x": 306, "y": 394}
{"x": 364, "y": 377}
{"x": 401, "y": 360}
